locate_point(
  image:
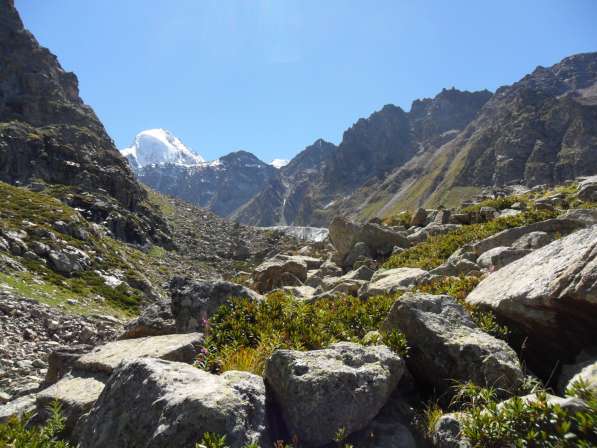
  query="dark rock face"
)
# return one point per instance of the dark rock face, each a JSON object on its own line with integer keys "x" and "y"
{"x": 48, "y": 133}
{"x": 321, "y": 177}
{"x": 221, "y": 187}
{"x": 539, "y": 130}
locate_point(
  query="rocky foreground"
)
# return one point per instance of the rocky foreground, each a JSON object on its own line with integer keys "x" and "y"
{"x": 425, "y": 330}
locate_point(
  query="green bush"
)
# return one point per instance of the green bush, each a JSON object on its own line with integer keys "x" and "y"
{"x": 437, "y": 249}
{"x": 16, "y": 434}
{"x": 242, "y": 334}
{"x": 516, "y": 422}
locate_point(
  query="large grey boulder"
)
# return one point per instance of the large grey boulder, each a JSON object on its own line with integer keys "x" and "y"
{"x": 533, "y": 240}
{"x": 549, "y": 297}
{"x": 432, "y": 229}
{"x": 447, "y": 432}
{"x": 587, "y": 189}
{"x": 446, "y": 345}
{"x": 17, "y": 407}
{"x": 155, "y": 320}
{"x": 509, "y": 236}
{"x": 379, "y": 239}
{"x": 175, "y": 347}
{"x": 498, "y": 257}
{"x": 193, "y": 301}
{"x": 322, "y": 391}
{"x": 392, "y": 280}
{"x": 75, "y": 395}
{"x": 279, "y": 272}
{"x": 153, "y": 403}
{"x": 62, "y": 360}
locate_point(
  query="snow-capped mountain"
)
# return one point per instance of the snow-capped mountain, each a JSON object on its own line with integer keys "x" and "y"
{"x": 159, "y": 146}
{"x": 279, "y": 163}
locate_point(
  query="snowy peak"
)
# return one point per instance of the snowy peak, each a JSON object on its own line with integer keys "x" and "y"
{"x": 159, "y": 146}
{"x": 279, "y": 163}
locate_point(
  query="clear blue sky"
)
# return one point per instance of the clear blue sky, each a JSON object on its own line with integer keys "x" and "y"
{"x": 271, "y": 76}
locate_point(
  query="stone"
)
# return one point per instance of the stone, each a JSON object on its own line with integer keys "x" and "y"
{"x": 587, "y": 189}
{"x": 341, "y": 387}
{"x": 392, "y": 280}
{"x": 500, "y": 256}
{"x": 155, "y": 320}
{"x": 442, "y": 217}
{"x": 358, "y": 251}
{"x": 275, "y": 273}
{"x": 62, "y": 360}
{"x": 432, "y": 229}
{"x": 362, "y": 273}
{"x": 549, "y": 297}
{"x": 419, "y": 218}
{"x": 193, "y": 301}
{"x": 446, "y": 432}
{"x": 584, "y": 216}
{"x": 509, "y": 236}
{"x": 533, "y": 240}
{"x": 179, "y": 404}
{"x": 75, "y": 395}
{"x": 584, "y": 369}
{"x": 176, "y": 347}
{"x": 379, "y": 239}
{"x": 300, "y": 292}
{"x": 17, "y": 408}
{"x": 447, "y": 346}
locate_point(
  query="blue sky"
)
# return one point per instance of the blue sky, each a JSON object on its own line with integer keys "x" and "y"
{"x": 272, "y": 76}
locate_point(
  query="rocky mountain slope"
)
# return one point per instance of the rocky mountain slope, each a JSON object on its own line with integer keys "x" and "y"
{"x": 221, "y": 186}
{"x": 48, "y": 135}
{"x": 430, "y": 330}
{"x": 540, "y": 130}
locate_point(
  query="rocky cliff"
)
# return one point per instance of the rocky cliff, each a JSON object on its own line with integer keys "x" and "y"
{"x": 222, "y": 186}
{"x": 48, "y": 135}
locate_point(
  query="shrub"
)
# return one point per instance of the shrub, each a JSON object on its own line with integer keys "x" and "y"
{"x": 16, "y": 433}
{"x": 521, "y": 423}
{"x": 244, "y": 333}
{"x": 436, "y": 250}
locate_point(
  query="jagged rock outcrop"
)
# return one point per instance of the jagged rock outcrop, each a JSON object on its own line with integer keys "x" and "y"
{"x": 47, "y": 133}
{"x": 221, "y": 186}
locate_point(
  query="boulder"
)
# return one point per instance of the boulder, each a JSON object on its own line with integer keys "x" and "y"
{"x": 587, "y": 189}
{"x": 177, "y": 404}
{"x": 322, "y": 391}
{"x": 359, "y": 250}
{"x": 69, "y": 260}
{"x": 549, "y": 297}
{"x": 432, "y": 229}
{"x": 175, "y": 347}
{"x": 278, "y": 272}
{"x": 533, "y": 240}
{"x": 585, "y": 216}
{"x": 446, "y": 432}
{"x": 362, "y": 273}
{"x": 509, "y": 236}
{"x": 442, "y": 216}
{"x": 155, "y": 320}
{"x": 75, "y": 395}
{"x": 584, "y": 369}
{"x": 498, "y": 257}
{"x": 17, "y": 408}
{"x": 393, "y": 280}
{"x": 61, "y": 361}
{"x": 379, "y": 239}
{"x": 300, "y": 292}
{"x": 419, "y": 218}
{"x": 446, "y": 345}
{"x": 193, "y": 301}
{"x": 342, "y": 235}
{"x": 455, "y": 268}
